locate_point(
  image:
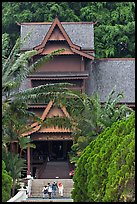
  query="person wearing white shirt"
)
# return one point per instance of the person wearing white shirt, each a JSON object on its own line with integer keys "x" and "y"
{"x": 49, "y": 190}
{"x": 45, "y": 191}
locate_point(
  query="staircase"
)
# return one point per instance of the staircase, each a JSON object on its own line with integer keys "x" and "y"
{"x": 38, "y": 184}
{"x": 48, "y": 173}
{"x": 54, "y": 169}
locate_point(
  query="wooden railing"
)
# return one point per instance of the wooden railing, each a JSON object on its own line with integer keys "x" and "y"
{"x": 41, "y": 169}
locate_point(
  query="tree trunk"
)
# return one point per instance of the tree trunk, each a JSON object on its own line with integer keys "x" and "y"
{"x": 13, "y": 188}
{"x": 20, "y": 152}
{"x": 17, "y": 147}
{"x": 13, "y": 147}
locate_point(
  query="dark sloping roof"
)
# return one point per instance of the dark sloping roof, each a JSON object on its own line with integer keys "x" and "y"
{"x": 81, "y": 34}
{"x": 105, "y": 74}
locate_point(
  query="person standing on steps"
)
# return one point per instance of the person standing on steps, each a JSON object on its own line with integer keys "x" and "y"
{"x": 49, "y": 190}
{"x": 45, "y": 191}
{"x": 54, "y": 189}
{"x": 61, "y": 188}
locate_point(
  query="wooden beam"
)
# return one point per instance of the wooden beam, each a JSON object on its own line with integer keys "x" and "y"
{"x": 51, "y": 137}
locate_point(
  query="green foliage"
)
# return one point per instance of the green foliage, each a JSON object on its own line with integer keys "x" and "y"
{"x": 16, "y": 68}
{"x": 106, "y": 168}
{"x": 14, "y": 165}
{"x": 114, "y": 31}
{"x": 95, "y": 117}
{"x": 6, "y": 184}
{"x": 16, "y": 117}
{"x": 79, "y": 193}
{"x": 5, "y": 45}
{"x": 115, "y": 28}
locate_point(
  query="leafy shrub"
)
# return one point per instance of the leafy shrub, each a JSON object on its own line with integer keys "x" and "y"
{"x": 6, "y": 184}
{"x": 106, "y": 169}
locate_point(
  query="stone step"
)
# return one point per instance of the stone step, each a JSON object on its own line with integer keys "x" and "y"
{"x": 66, "y": 193}
{"x": 38, "y": 184}
{"x": 48, "y": 200}
{"x": 55, "y": 169}
{"x": 42, "y": 182}
{"x": 40, "y": 190}
{"x": 37, "y": 190}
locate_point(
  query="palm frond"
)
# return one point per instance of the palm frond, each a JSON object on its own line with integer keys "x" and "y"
{"x": 12, "y": 55}
{"x": 18, "y": 71}
{"x": 24, "y": 141}
{"x": 50, "y": 91}
{"x": 57, "y": 121}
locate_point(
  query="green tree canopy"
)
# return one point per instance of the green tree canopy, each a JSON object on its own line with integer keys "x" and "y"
{"x": 94, "y": 118}
{"x": 114, "y": 31}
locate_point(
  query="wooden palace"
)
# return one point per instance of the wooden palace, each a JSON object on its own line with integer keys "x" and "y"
{"x": 77, "y": 65}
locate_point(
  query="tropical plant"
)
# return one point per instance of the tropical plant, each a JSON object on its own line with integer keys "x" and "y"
{"x": 23, "y": 142}
{"x": 115, "y": 28}
{"x": 95, "y": 117}
{"x": 16, "y": 117}
{"x": 14, "y": 124}
{"x": 14, "y": 165}
{"x": 106, "y": 168}
{"x": 6, "y": 45}
{"x": 6, "y": 183}
{"x": 15, "y": 70}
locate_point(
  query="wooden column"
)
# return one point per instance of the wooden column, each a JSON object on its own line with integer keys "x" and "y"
{"x": 64, "y": 148}
{"x": 83, "y": 86}
{"x": 31, "y": 162}
{"x": 49, "y": 149}
{"x": 82, "y": 65}
{"x": 28, "y": 160}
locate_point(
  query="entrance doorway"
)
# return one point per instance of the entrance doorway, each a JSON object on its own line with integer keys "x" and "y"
{"x": 49, "y": 151}
{"x": 57, "y": 150}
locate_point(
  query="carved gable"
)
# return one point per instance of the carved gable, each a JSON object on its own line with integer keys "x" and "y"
{"x": 49, "y": 112}
{"x": 55, "y": 111}
{"x": 52, "y": 46}
{"x": 56, "y": 34}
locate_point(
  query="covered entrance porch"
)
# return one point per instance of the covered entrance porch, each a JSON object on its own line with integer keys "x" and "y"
{"x": 52, "y": 143}
{"x": 52, "y": 152}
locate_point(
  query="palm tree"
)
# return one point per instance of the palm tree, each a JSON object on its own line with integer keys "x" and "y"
{"x": 14, "y": 166}
{"x": 94, "y": 118}
{"x": 15, "y": 114}
{"x": 23, "y": 142}
{"x": 15, "y": 69}
{"x": 14, "y": 124}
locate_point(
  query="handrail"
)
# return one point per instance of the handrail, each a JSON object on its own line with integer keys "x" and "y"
{"x": 42, "y": 167}
{"x": 20, "y": 196}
